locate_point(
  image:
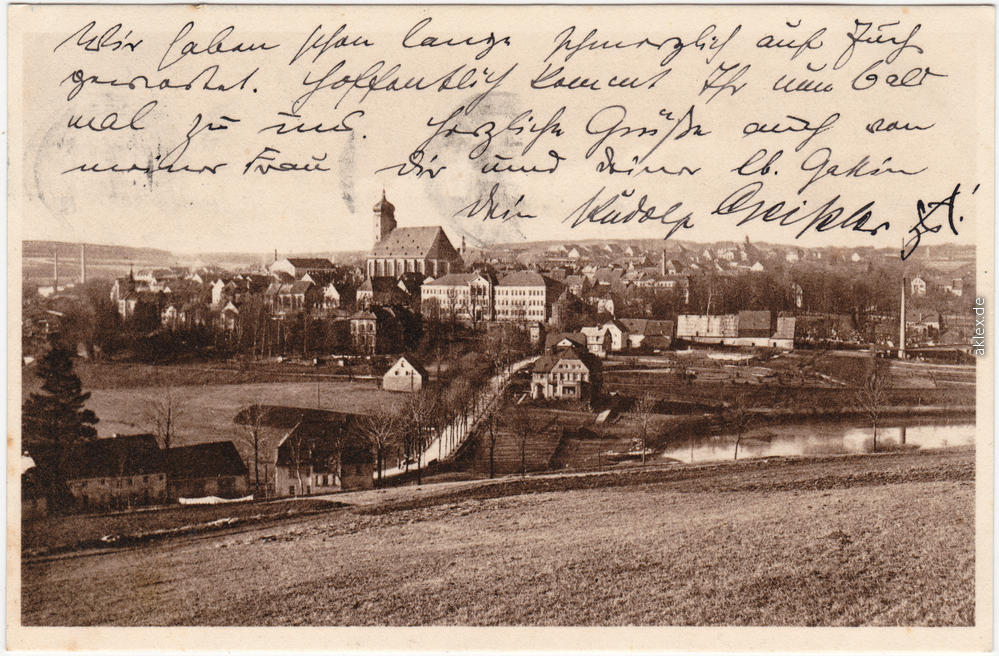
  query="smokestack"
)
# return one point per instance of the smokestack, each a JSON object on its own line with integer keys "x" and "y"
{"x": 55, "y": 269}
{"x": 83, "y": 263}
{"x": 275, "y": 255}
{"x": 662, "y": 264}
{"x": 901, "y": 325}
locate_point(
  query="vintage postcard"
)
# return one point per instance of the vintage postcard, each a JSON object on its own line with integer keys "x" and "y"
{"x": 500, "y": 327}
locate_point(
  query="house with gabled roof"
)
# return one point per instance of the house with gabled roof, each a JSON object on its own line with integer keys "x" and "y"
{"x": 312, "y": 451}
{"x": 383, "y": 290}
{"x": 406, "y": 374}
{"x": 561, "y": 340}
{"x": 118, "y": 471}
{"x": 566, "y": 373}
{"x": 209, "y": 469}
{"x": 597, "y": 340}
{"x": 648, "y": 333}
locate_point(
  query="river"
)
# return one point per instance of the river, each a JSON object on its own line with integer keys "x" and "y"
{"x": 821, "y": 438}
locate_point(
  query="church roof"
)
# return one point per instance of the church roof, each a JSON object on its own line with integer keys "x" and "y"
{"x": 423, "y": 242}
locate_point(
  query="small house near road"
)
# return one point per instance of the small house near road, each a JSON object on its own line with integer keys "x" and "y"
{"x": 565, "y": 373}
{"x": 405, "y": 375}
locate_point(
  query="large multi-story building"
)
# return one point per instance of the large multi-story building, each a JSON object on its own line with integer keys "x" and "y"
{"x": 466, "y": 296}
{"x": 525, "y": 296}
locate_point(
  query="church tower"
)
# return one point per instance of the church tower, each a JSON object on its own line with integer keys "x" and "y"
{"x": 384, "y": 218}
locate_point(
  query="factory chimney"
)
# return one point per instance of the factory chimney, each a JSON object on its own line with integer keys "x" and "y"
{"x": 901, "y": 325}
{"x": 55, "y": 269}
{"x": 83, "y": 263}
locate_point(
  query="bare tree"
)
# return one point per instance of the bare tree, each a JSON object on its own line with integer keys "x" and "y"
{"x": 740, "y": 415}
{"x": 382, "y": 429}
{"x": 872, "y": 396}
{"x": 522, "y": 424}
{"x": 645, "y": 412}
{"x": 418, "y": 414}
{"x": 299, "y": 455}
{"x": 490, "y": 433}
{"x": 254, "y": 421}
{"x": 163, "y": 413}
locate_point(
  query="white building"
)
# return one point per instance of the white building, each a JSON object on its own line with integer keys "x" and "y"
{"x": 522, "y": 295}
{"x": 406, "y": 375}
{"x": 469, "y": 296}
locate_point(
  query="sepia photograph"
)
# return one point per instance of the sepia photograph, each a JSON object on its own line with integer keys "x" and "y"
{"x": 667, "y": 321}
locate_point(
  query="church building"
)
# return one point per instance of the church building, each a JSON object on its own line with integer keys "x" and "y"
{"x": 423, "y": 249}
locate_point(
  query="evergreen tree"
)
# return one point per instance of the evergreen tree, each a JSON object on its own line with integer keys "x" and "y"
{"x": 54, "y": 422}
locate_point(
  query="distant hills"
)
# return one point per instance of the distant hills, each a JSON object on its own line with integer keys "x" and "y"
{"x": 96, "y": 252}
{"x": 105, "y": 260}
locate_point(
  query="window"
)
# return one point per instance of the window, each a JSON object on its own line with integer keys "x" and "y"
{"x": 291, "y": 489}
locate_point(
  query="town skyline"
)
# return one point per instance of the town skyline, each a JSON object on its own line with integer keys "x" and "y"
{"x": 299, "y": 227}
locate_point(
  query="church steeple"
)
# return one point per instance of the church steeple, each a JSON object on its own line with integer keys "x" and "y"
{"x": 384, "y": 218}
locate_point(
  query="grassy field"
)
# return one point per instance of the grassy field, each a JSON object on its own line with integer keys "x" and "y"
{"x": 54, "y": 534}
{"x": 862, "y": 540}
{"x": 206, "y": 413}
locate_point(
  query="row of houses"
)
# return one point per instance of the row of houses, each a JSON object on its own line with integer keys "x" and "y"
{"x": 134, "y": 470}
{"x": 316, "y": 451}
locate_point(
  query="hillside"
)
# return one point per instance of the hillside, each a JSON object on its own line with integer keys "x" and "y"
{"x": 96, "y": 252}
{"x": 844, "y": 541}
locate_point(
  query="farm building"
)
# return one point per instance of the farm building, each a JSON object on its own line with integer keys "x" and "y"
{"x": 308, "y": 456}
{"x": 406, "y": 375}
{"x": 357, "y": 469}
{"x": 117, "y": 472}
{"x": 208, "y": 469}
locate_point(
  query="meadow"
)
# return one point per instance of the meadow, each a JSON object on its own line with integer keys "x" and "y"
{"x": 878, "y": 540}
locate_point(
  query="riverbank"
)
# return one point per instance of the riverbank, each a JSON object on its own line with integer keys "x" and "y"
{"x": 835, "y": 540}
